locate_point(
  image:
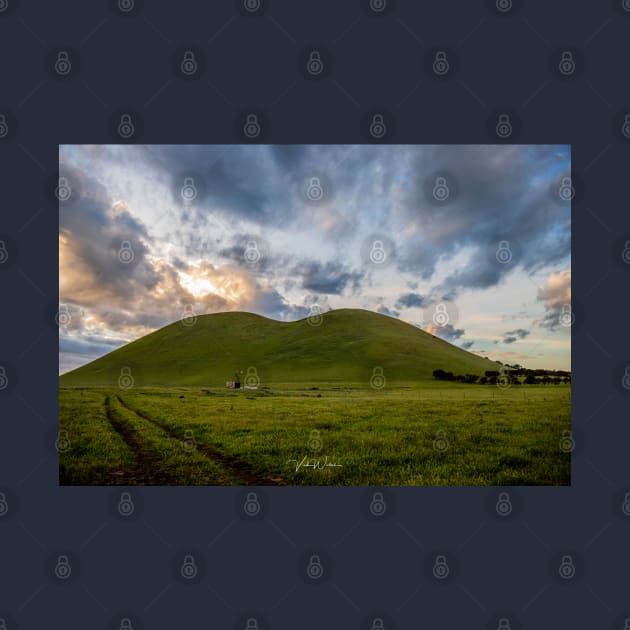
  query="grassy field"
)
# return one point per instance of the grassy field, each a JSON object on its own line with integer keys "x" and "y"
{"x": 432, "y": 434}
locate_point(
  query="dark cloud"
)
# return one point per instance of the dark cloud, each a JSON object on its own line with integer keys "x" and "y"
{"x": 514, "y": 335}
{"x": 467, "y": 345}
{"x": 89, "y": 345}
{"x": 448, "y": 332}
{"x": 328, "y": 278}
{"x": 503, "y": 194}
{"x": 381, "y": 308}
{"x": 410, "y": 300}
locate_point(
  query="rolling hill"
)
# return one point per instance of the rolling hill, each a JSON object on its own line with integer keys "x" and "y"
{"x": 346, "y": 347}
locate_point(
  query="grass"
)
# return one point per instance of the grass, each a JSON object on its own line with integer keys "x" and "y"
{"x": 407, "y": 434}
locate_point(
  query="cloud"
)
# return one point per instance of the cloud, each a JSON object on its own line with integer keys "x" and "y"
{"x": 329, "y": 277}
{"x": 383, "y": 310}
{"x": 467, "y": 345}
{"x": 514, "y": 335}
{"x": 448, "y": 332}
{"x": 410, "y": 300}
{"x": 499, "y": 194}
{"x": 556, "y": 298}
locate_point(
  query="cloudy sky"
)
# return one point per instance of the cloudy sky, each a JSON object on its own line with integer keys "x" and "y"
{"x": 471, "y": 243}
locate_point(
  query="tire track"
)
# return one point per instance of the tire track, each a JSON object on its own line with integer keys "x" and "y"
{"x": 147, "y": 470}
{"x": 236, "y": 466}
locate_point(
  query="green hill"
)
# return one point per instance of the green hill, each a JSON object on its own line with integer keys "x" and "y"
{"x": 346, "y": 347}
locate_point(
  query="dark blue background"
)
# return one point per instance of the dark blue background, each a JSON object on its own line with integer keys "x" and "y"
{"x": 500, "y": 63}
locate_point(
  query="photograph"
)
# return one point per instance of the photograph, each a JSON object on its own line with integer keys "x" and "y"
{"x": 315, "y": 315}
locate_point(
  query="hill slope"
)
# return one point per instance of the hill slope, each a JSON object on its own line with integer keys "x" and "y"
{"x": 346, "y": 347}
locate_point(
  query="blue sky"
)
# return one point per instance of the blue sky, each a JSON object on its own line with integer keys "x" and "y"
{"x": 483, "y": 233}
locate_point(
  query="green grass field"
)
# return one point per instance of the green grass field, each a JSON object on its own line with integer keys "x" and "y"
{"x": 421, "y": 434}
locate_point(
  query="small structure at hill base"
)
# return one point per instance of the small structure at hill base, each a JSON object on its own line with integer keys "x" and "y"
{"x": 236, "y": 383}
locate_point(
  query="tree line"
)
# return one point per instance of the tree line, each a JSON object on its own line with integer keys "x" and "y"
{"x": 512, "y": 375}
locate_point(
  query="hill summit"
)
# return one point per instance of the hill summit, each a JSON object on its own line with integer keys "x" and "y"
{"x": 343, "y": 346}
